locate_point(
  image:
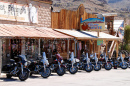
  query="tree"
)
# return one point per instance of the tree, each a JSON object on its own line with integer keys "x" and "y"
{"x": 127, "y": 38}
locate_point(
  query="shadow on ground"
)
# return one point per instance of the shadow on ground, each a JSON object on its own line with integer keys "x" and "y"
{"x": 9, "y": 79}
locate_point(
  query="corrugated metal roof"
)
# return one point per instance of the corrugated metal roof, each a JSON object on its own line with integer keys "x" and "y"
{"x": 74, "y": 33}
{"x": 29, "y": 31}
{"x": 82, "y": 35}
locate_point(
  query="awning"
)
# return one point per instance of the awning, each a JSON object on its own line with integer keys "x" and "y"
{"x": 30, "y": 31}
{"x": 83, "y": 35}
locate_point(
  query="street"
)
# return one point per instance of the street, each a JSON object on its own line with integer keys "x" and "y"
{"x": 114, "y": 77}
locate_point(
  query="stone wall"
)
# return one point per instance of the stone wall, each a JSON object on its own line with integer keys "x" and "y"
{"x": 44, "y": 13}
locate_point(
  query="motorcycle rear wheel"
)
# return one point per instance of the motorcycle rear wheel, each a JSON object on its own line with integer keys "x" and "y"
{"x": 47, "y": 73}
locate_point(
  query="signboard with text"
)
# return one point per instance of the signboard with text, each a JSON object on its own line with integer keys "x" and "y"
{"x": 17, "y": 12}
{"x": 92, "y": 24}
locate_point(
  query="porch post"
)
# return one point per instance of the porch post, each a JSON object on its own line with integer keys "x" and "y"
{"x": 0, "y": 55}
{"x": 68, "y": 49}
{"x": 75, "y": 48}
{"x": 99, "y": 49}
{"x": 39, "y": 50}
{"x": 106, "y": 47}
{"x": 23, "y": 47}
{"x": 117, "y": 49}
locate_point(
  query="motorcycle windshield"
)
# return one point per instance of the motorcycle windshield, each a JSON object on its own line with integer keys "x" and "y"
{"x": 23, "y": 58}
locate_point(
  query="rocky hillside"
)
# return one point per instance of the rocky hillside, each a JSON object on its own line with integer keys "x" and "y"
{"x": 91, "y": 6}
{"x": 122, "y": 7}
{"x": 120, "y": 4}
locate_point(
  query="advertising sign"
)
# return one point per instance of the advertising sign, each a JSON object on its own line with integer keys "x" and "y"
{"x": 17, "y": 12}
{"x": 99, "y": 42}
{"x": 92, "y": 24}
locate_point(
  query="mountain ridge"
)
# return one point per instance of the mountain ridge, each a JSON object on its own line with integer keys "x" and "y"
{"x": 96, "y": 6}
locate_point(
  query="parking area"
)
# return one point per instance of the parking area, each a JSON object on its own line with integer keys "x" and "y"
{"x": 114, "y": 77}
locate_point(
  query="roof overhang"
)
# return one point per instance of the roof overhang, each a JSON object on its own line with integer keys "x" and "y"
{"x": 87, "y": 35}
{"x": 7, "y": 30}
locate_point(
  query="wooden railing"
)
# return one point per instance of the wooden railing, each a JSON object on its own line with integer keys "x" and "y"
{"x": 112, "y": 47}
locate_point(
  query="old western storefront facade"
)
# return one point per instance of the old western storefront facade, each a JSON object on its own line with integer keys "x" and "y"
{"x": 89, "y": 34}
{"x": 25, "y": 28}
{"x": 25, "y": 13}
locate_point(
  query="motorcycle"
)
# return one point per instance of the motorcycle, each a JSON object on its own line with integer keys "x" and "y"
{"x": 105, "y": 62}
{"x": 17, "y": 68}
{"x": 94, "y": 60}
{"x": 88, "y": 65}
{"x": 71, "y": 66}
{"x": 127, "y": 59}
{"x": 121, "y": 63}
{"x": 41, "y": 66}
{"x": 57, "y": 66}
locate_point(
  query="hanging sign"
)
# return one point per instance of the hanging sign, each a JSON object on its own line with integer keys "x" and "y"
{"x": 92, "y": 24}
{"x": 18, "y": 12}
{"x": 99, "y": 42}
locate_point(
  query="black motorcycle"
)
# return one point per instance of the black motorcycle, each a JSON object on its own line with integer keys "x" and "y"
{"x": 127, "y": 59}
{"x": 121, "y": 62}
{"x": 88, "y": 67}
{"x": 71, "y": 65}
{"x": 17, "y": 68}
{"x": 95, "y": 62}
{"x": 40, "y": 66}
{"x": 57, "y": 66}
{"x": 105, "y": 62}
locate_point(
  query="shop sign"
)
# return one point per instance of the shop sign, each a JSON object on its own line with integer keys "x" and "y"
{"x": 92, "y": 24}
{"x": 16, "y": 12}
{"x": 99, "y": 42}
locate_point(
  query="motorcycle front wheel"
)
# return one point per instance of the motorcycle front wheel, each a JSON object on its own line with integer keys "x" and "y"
{"x": 97, "y": 67}
{"x": 124, "y": 66}
{"x": 108, "y": 66}
{"x": 88, "y": 68}
{"x": 61, "y": 71}
{"x": 46, "y": 73}
{"x": 73, "y": 70}
{"x": 23, "y": 76}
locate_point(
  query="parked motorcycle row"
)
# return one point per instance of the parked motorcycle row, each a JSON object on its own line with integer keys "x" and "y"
{"x": 23, "y": 68}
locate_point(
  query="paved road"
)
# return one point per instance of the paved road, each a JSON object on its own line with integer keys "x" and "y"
{"x": 113, "y": 77}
